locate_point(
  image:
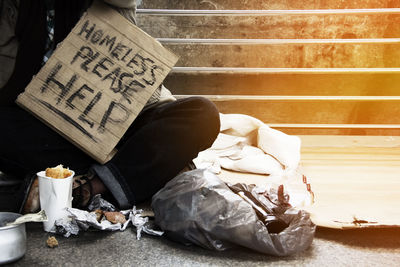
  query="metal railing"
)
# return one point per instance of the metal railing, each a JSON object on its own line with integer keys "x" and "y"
{"x": 276, "y": 41}
{"x": 183, "y": 12}
{"x": 233, "y": 70}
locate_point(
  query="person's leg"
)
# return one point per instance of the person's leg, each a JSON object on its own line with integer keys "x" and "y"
{"x": 28, "y": 146}
{"x": 158, "y": 145}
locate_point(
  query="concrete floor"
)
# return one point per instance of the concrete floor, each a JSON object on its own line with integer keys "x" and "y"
{"x": 362, "y": 247}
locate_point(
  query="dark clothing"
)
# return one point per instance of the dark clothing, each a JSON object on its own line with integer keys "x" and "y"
{"x": 31, "y": 33}
{"x": 159, "y": 143}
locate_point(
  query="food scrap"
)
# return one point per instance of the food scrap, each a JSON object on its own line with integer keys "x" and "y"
{"x": 58, "y": 172}
{"x": 99, "y": 214}
{"x": 115, "y": 217}
{"x": 52, "y": 242}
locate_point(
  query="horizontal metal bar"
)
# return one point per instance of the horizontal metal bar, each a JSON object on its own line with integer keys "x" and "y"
{"x": 293, "y": 98}
{"x": 229, "y": 70}
{"x": 277, "y": 41}
{"x": 182, "y": 12}
{"x": 334, "y": 126}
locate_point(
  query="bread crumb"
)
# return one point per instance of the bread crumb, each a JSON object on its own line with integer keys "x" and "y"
{"x": 115, "y": 217}
{"x": 52, "y": 242}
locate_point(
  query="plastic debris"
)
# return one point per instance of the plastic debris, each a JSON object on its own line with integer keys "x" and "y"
{"x": 81, "y": 220}
{"x": 199, "y": 208}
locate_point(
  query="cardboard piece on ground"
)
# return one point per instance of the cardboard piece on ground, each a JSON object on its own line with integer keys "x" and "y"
{"x": 97, "y": 81}
{"x": 355, "y": 180}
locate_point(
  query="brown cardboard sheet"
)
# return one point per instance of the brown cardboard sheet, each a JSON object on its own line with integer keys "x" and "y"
{"x": 355, "y": 180}
{"x": 97, "y": 81}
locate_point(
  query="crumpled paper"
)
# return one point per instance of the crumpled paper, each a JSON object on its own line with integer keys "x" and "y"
{"x": 30, "y": 217}
{"x": 82, "y": 220}
{"x": 246, "y": 144}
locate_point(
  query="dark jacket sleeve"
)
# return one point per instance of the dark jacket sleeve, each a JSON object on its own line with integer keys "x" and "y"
{"x": 31, "y": 34}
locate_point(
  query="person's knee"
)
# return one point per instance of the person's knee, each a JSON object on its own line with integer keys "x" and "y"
{"x": 208, "y": 120}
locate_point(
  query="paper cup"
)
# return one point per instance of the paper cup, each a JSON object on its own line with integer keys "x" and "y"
{"x": 55, "y": 196}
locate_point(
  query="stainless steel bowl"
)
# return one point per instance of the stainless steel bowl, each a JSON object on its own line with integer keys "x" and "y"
{"x": 12, "y": 238}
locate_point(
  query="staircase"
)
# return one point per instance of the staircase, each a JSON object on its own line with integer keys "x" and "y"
{"x": 306, "y": 67}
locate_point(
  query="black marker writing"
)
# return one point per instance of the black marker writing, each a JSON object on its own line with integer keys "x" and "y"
{"x": 52, "y": 79}
{"x": 117, "y": 108}
{"x": 78, "y": 93}
{"x": 85, "y": 29}
{"x": 139, "y": 61}
{"x": 153, "y": 75}
{"x": 67, "y": 119}
{"x": 82, "y": 117}
{"x": 110, "y": 41}
{"x": 118, "y": 49}
{"x": 101, "y": 65}
{"x": 88, "y": 55}
{"x": 112, "y": 76}
{"x": 96, "y": 36}
{"x": 134, "y": 86}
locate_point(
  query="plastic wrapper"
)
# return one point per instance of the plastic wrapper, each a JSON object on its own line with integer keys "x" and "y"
{"x": 100, "y": 203}
{"x": 197, "y": 207}
{"x": 66, "y": 227}
{"x": 81, "y": 220}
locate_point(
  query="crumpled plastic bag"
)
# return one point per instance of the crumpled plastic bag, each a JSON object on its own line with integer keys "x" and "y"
{"x": 197, "y": 207}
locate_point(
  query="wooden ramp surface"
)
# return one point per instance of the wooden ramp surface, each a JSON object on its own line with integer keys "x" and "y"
{"x": 355, "y": 180}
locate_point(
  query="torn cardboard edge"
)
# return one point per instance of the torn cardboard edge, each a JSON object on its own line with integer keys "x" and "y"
{"x": 351, "y": 223}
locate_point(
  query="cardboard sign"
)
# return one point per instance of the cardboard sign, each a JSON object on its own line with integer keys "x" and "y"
{"x": 97, "y": 81}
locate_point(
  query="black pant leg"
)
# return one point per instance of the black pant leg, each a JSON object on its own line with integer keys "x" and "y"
{"x": 28, "y": 146}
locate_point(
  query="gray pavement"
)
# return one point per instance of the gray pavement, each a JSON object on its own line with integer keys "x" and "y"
{"x": 362, "y": 247}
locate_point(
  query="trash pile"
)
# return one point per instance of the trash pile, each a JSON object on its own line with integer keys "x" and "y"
{"x": 102, "y": 215}
{"x": 197, "y": 207}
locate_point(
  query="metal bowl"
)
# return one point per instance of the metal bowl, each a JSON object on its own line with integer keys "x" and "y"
{"x": 12, "y": 238}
